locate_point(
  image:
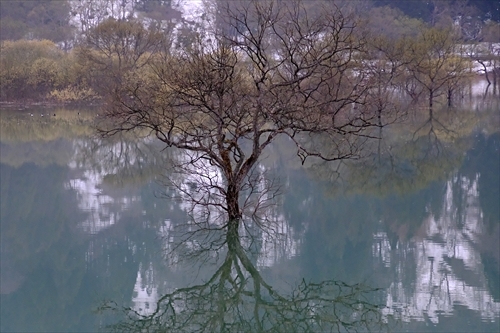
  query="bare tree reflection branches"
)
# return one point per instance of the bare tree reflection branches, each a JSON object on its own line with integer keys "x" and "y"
{"x": 236, "y": 298}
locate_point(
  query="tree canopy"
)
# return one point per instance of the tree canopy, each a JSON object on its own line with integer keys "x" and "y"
{"x": 276, "y": 70}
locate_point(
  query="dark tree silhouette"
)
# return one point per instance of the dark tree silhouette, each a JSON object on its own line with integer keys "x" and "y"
{"x": 271, "y": 69}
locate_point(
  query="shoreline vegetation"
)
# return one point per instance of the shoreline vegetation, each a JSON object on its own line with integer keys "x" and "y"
{"x": 38, "y": 73}
{"x": 71, "y": 102}
{"x": 27, "y": 104}
{"x": 19, "y": 105}
{"x": 423, "y": 60}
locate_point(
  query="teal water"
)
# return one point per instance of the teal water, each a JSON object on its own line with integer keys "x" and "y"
{"x": 85, "y": 221}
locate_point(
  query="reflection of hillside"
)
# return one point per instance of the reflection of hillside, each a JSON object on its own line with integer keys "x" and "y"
{"x": 103, "y": 210}
{"x": 145, "y": 293}
{"x": 98, "y": 167}
{"x": 449, "y": 269}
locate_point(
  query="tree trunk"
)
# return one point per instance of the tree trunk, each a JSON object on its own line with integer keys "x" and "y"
{"x": 495, "y": 72}
{"x": 485, "y": 71}
{"x": 233, "y": 206}
{"x": 431, "y": 99}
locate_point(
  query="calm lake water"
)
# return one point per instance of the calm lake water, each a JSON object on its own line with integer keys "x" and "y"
{"x": 86, "y": 221}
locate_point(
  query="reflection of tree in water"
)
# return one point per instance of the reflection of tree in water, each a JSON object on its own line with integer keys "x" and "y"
{"x": 406, "y": 168}
{"x": 121, "y": 160}
{"x": 236, "y": 298}
{"x": 413, "y": 155}
{"x": 236, "y": 289}
{"x": 398, "y": 181}
{"x": 412, "y": 183}
{"x": 190, "y": 183}
{"x": 436, "y": 222}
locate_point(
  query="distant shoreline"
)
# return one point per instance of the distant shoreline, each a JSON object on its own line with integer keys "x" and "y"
{"x": 19, "y": 104}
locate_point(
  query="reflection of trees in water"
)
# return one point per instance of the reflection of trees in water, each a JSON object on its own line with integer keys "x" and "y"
{"x": 108, "y": 175}
{"x": 397, "y": 183}
{"x": 237, "y": 287}
{"x": 405, "y": 169}
{"x": 41, "y": 153}
{"x": 44, "y": 124}
{"x": 447, "y": 244}
{"x": 192, "y": 193}
{"x": 415, "y": 154}
{"x": 236, "y": 298}
{"x": 200, "y": 190}
{"x": 428, "y": 195}
{"x": 197, "y": 235}
{"x": 120, "y": 160}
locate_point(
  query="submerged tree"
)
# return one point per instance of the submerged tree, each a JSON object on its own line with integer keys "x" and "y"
{"x": 273, "y": 69}
{"x": 438, "y": 63}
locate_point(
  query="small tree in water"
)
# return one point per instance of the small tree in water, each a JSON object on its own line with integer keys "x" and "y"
{"x": 272, "y": 69}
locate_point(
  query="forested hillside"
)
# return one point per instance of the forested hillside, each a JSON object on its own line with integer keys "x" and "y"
{"x": 430, "y": 10}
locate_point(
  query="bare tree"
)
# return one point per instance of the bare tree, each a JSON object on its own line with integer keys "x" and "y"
{"x": 273, "y": 69}
{"x": 438, "y": 63}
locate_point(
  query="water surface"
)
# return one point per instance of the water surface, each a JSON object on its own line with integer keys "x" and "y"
{"x": 86, "y": 220}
